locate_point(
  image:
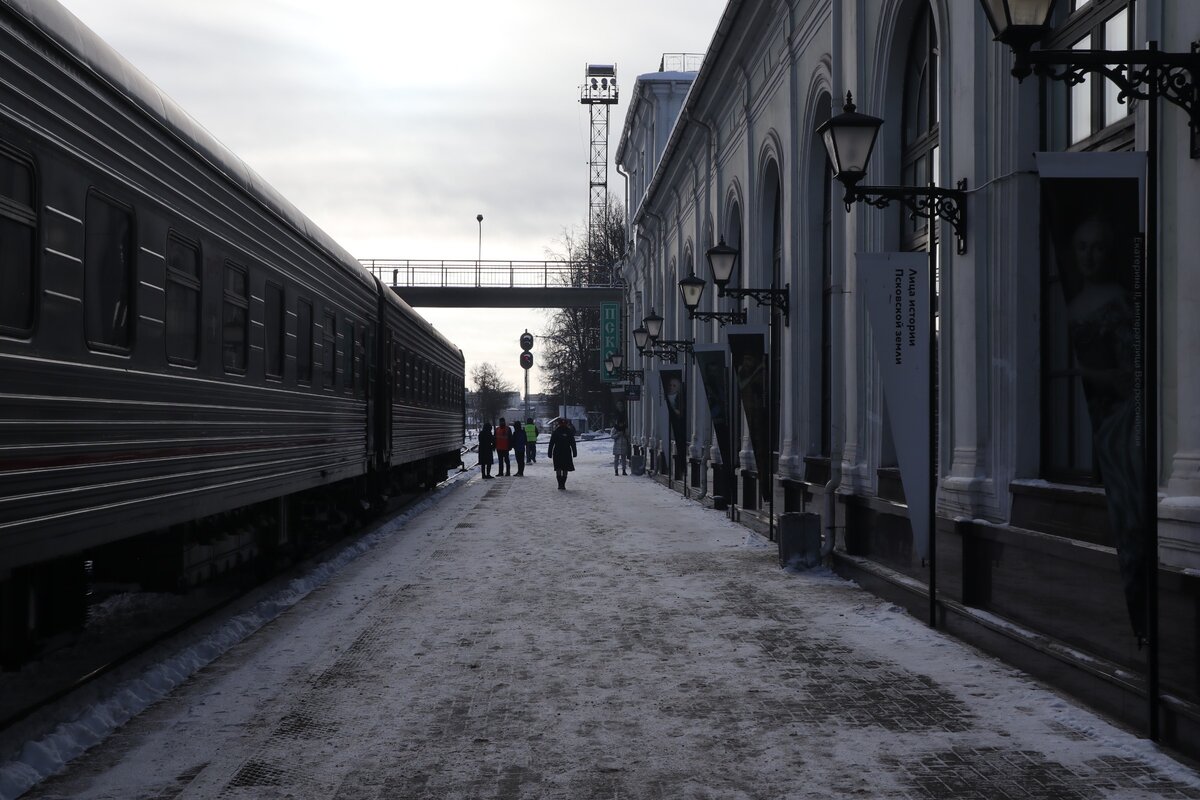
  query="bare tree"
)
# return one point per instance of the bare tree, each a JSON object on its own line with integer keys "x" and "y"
{"x": 572, "y": 357}
{"x": 491, "y": 391}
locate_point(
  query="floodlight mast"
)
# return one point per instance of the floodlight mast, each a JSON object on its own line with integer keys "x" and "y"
{"x": 599, "y": 92}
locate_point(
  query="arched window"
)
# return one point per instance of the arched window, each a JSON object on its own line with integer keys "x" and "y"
{"x": 733, "y": 238}
{"x": 919, "y": 133}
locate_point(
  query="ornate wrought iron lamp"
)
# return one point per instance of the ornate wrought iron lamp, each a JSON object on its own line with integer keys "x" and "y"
{"x": 1142, "y": 74}
{"x": 722, "y": 262}
{"x": 692, "y": 289}
{"x": 850, "y": 140}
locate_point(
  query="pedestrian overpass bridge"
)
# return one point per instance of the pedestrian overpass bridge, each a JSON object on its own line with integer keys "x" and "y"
{"x": 497, "y": 284}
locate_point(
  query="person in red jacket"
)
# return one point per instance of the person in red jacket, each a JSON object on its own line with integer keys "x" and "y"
{"x": 503, "y": 444}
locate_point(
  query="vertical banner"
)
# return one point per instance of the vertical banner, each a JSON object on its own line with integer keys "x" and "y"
{"x": 610, "y": 336}
{"x": 714, "y": 377}
{"x": 748, "y": 348}
{"x": 675, "y": 396}
{"x": 1092, "y": 213}
{"x": 895, "y": 291}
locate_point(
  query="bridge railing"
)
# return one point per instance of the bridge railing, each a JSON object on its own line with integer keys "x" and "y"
{"x": 490, "y": 274}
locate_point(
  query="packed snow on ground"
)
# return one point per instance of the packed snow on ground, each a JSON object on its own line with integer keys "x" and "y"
{"x": 865, "y": 623}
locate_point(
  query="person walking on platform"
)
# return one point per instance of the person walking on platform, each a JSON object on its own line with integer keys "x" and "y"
{"x": 531, "y": 440}
{"x": 503, "y": 435}
{"x": 620, "y": 449}
{"x": 562, "y": 452}
{"x": 518, "y": 446}
{"x": 486, "y": 442}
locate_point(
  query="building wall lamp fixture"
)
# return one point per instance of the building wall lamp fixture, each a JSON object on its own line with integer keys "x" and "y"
{"x": 692, "y": 289}
{"x": 1144, "y": 74}
{"x": 850, "y": 139}
{"x": 613, "y": 362}
{"x": 648, "y": 343}
{"x": 723, "y": 262}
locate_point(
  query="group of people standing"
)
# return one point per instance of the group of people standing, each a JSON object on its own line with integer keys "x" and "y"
{"x": 521, "y": 440}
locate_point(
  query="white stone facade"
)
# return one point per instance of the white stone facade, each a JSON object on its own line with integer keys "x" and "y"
{"x": 743, "y": 142}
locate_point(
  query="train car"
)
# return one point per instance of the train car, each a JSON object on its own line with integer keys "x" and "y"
{"x": 176, "y": 340}
{"x": 423, "y": 425}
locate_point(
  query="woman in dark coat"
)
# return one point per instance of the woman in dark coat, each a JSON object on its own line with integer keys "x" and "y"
{"x": 487, "y": 443}
{"x": 562, "y": 450}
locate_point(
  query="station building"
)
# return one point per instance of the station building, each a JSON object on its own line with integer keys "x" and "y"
{"x": 1031, "y": 357}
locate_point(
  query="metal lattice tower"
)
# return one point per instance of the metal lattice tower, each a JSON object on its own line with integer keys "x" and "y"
{"x": 599, "y": 91}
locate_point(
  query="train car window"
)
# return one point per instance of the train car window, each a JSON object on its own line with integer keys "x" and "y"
{"x": 361, "y": 364}
{"x": 405, "y": 376}
{"x": 304, "y": 341}
{"x": 368, "y": 358}
{"x": 348, "y": 356}
{"x": 410, "y": 377}
{"x": 397, "y": 362}
{"x": 183, "y": 301}
{"x": 235, "y": 318}
{"x": 422, "y": 395}
{"x": 18, "y": 232}
{"x": 329, "y": 351}
{"x": 273, "y": 330}
{"x": 108, "y": 274}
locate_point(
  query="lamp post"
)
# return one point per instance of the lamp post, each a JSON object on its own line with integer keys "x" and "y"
{"x": 1148, "y": 75}
{"x": 479, "y": 253}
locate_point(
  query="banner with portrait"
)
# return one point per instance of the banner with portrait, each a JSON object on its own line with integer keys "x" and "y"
{"x": 895, "y": 291}
{"x": 675, "y": 398}
{"x": 1093, "y": 227}
{"x": 748, "y": 349}
{"x": 714, "y": 377}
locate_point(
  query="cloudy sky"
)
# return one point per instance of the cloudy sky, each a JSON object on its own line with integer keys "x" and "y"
{"x": 393, "y": 124}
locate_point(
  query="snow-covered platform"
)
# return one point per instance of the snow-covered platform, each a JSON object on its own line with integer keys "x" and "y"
{"x": 611, "y": 641}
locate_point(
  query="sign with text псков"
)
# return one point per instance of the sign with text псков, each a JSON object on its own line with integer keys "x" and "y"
{"x": 610, "y": 336}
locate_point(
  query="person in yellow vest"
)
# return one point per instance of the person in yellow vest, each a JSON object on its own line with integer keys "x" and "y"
{"x": 530, "y": 441}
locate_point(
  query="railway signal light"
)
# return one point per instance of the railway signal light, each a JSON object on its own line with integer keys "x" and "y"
{"x": 526, "y": 346}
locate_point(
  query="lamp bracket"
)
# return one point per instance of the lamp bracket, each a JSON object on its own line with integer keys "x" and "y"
{"x": 1139, "y": 74}
{"x": 721, "y": 317}
{"x": 926, "y": 202}
{"x": 668, "y": 349}
{"x": 776, "y": 298}
{"x": 668, "y": 356}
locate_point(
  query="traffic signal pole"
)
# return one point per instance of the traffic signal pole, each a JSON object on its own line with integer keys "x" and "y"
{"x": 526, "y": 363}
